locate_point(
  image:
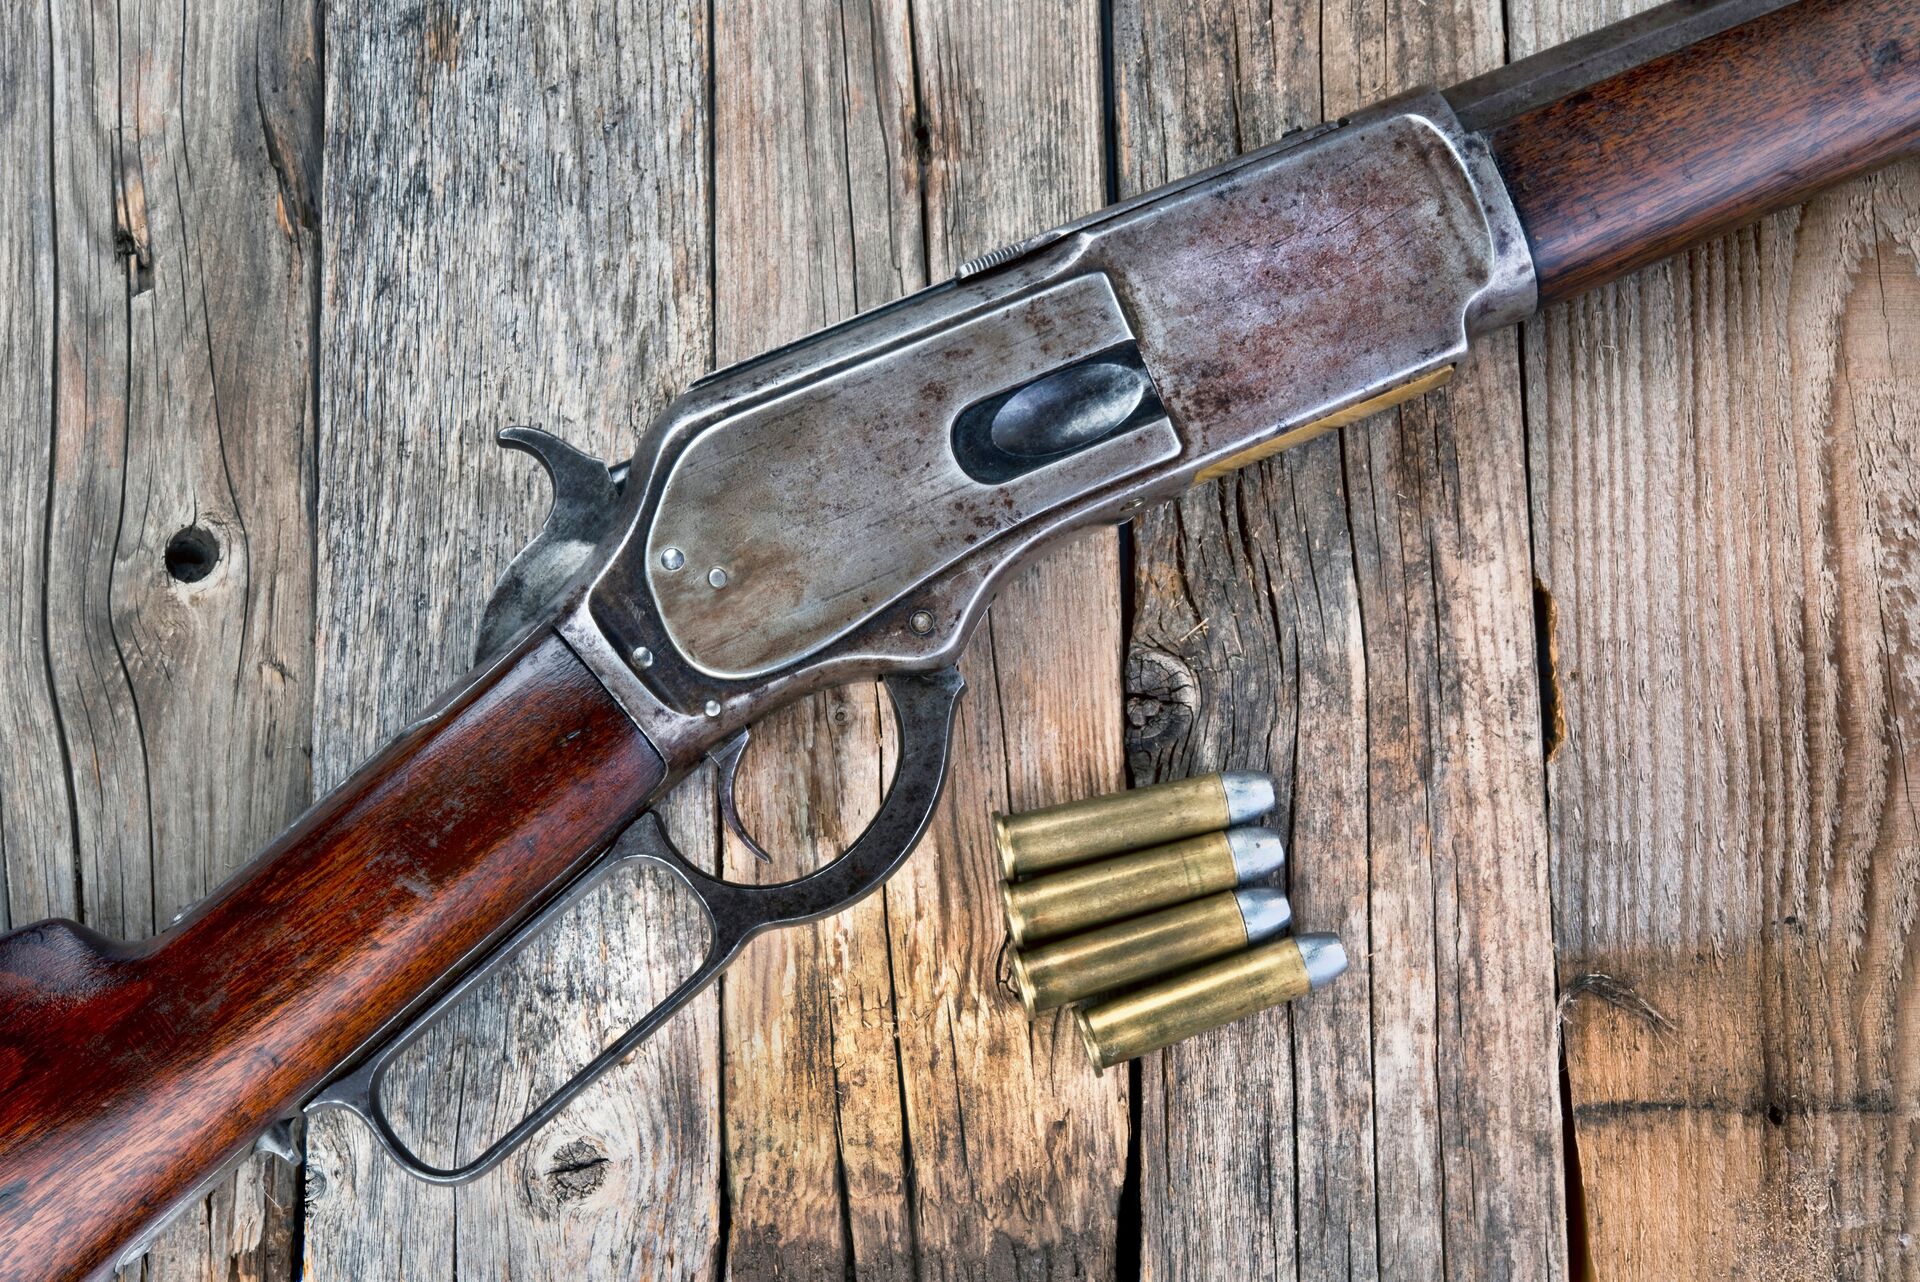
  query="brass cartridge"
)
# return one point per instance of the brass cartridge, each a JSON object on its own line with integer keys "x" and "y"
{"x": 1132, "y": 951}
{"x": 1076, "y": 831}
{"x": 1125, "y": 886}
{"x": 1161, "y": 1014}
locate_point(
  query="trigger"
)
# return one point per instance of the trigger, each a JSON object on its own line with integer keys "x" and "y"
{"x": 727, "y": 758}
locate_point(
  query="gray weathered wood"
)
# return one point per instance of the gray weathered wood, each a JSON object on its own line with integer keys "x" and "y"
{"x": 36, "y": 819}
{"x": 1354, "y": 616}
{"x": 826, "y": 1170}
{"x": 516, "y": 233}
{"x": 1019, "y": 1152}
{"x": 159, "y": 223}
{"x": 817, "y": 215}
{"x": 1724, "y": 480}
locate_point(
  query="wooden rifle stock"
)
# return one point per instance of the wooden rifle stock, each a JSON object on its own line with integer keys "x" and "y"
{"x": 1712, "y": 136}
{"x": 130, "y": 1073}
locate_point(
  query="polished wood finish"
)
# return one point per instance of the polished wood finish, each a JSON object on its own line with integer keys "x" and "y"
{"x": 129, "y": 1073}
{"x": 1692, "y": 145}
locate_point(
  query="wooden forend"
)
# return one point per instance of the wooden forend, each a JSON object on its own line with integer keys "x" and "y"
{"x": 1694, "y": 144}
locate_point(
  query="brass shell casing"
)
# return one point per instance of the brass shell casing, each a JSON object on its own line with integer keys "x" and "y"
{"x": 1076, "y": 831}
{"x": 1077, "y": 898}
{"x": 1129, "y": 952}
{"x": 1161, "y": 1014}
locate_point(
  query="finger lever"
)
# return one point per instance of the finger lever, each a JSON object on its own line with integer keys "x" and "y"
{"x": 923, "y": 707}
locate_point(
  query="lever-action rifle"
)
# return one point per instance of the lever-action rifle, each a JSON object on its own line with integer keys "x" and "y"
{"x": 846, "y": 507}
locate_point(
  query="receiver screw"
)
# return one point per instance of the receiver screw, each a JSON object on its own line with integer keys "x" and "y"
{"x": 673, "y": 558}
{"x": 921, "y": 621}
{"x": 642, "y": 657}
{"x": 713, "y": 707}
{"x": 717, "y": 577}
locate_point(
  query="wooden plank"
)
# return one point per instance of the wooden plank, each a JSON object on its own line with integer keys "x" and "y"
{"x": 518, "y": 234}
{"x": 888, "y": 1112}
{"x": 161, "y": 225}
{"x": 37, "y": 841}
{"x": 817, "y": 216}
{"x": 1355, "y": 617}
{"x": 1723, "y": 502}
{"x": 1018, "y": 1150}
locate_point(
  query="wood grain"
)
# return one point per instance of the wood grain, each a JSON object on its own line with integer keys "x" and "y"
{"x": 1355, "y": 617}
{"x": 889, "y": 1114}
{"x": 161, "y": 286}
{"x": 1019, "y": 1152}
{"x": 1699, "y": 142}
{"x": 1723, "y": 495}
{"x": 517, "y": 234}
{"x": 816, "y": 216}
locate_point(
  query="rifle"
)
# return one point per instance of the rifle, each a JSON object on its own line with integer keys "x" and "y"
{"x": 741, "y": 560}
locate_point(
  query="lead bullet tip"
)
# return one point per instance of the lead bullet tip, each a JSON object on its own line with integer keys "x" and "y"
{"x": 1249, "y": 795}
{"x": 1258, "y": 853}
{"x": 1264, "y": 912}
{"x": 1323, "y": 957}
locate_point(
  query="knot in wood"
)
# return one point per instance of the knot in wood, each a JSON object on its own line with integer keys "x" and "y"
{"x": 575, "y": 1172}
{"x": 1162, "y": 696}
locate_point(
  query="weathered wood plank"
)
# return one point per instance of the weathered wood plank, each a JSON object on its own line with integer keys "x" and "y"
{"x": 37, "y": 841}
{"x": 1723, "y": 503}
{"x": 817, "y": 216}
{"x": 161, "y": 221}
{"x": 1018, "y": 1150}
{"x": 519, "y": 234}
{"x": 834, "y": 1031}
{"x": 1354, "y": 616}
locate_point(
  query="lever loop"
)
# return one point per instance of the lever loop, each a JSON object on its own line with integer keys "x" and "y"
{"x": 923, "y": 707}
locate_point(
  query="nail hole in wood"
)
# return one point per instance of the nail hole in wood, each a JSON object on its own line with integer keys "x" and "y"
{"x": 192, "y": 554}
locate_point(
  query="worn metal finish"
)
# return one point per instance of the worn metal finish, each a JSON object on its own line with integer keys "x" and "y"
{"x": 1074, "y": 832}
{"x": 799, "y": 500}
{"x": 1146, "y": 947}
{"x": 1122, "y": 1028}
{"x": 1265, "y": 294}
{"x": 741, "y": 565}
{"x": 923, "y": 710}
{"x": 1078, "y": 898}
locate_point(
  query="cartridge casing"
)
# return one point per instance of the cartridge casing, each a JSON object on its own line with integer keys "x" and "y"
{"x": 1076, "y": 831}
{"x": 1093, "y": 894}
{"x": 1161, "y": 1014}
{"x": 1142, "y": 948}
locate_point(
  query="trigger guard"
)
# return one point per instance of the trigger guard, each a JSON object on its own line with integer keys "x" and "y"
{"x": 923, "y": 707}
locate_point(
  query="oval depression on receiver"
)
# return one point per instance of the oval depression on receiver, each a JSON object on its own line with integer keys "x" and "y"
{"x": 1068, "y": 408}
